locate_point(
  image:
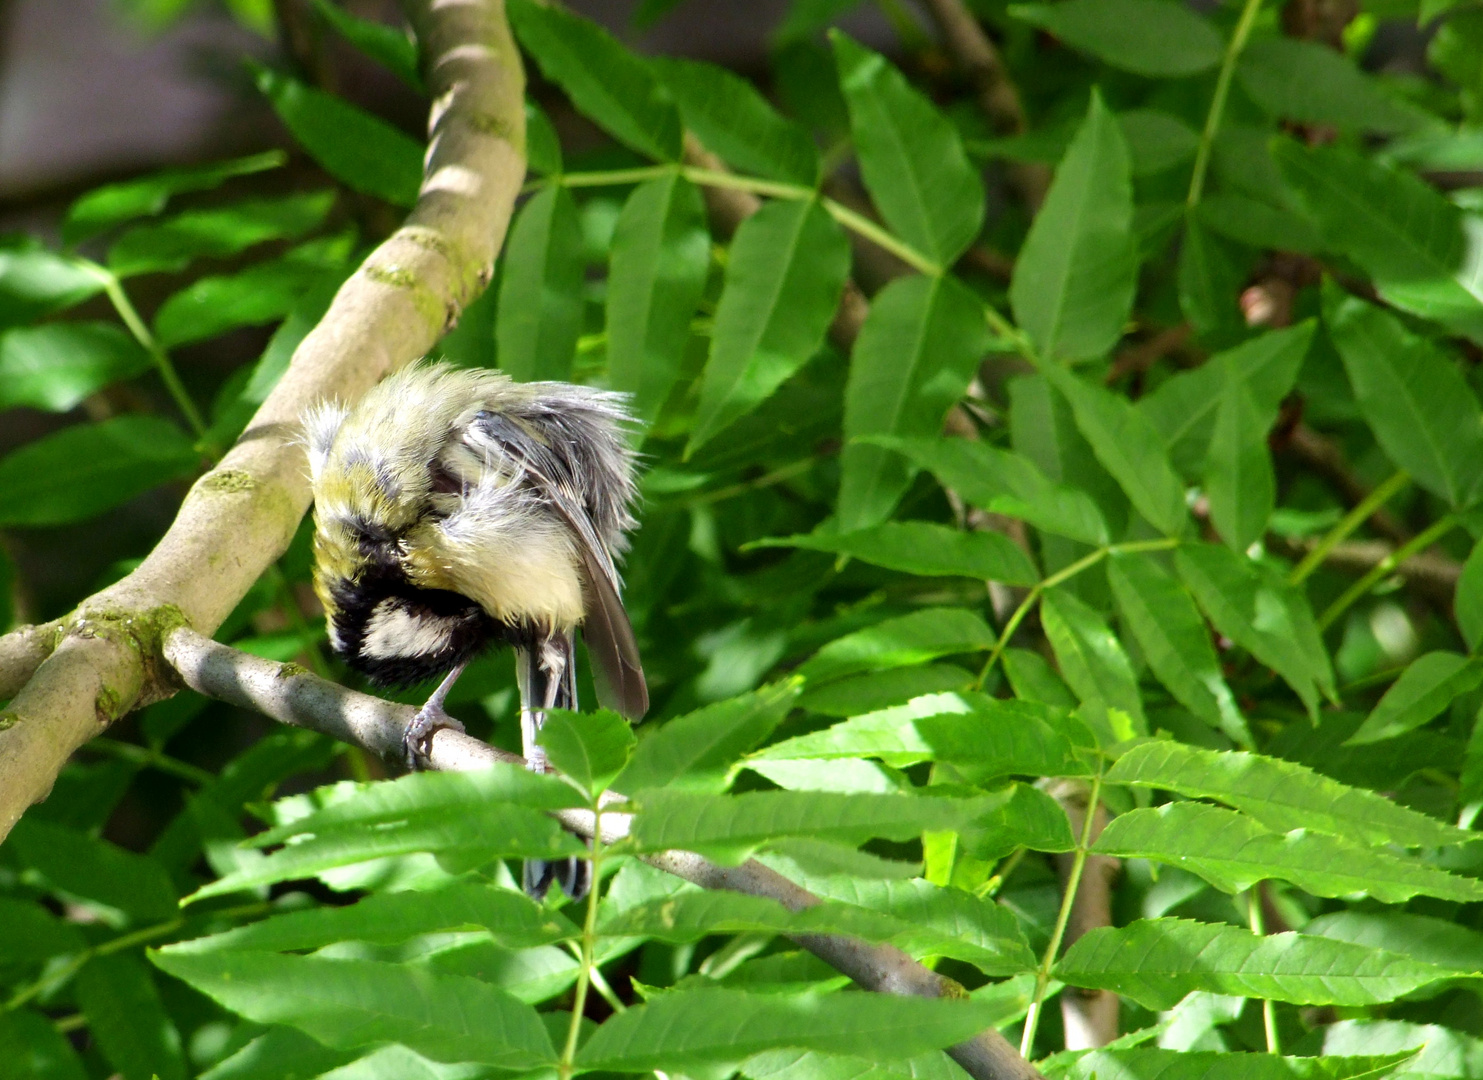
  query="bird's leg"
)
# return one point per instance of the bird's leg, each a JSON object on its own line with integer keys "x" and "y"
{"x": 417, "y": 740}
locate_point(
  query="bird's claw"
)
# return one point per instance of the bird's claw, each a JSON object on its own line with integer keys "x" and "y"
{"x": 418, "y": 738}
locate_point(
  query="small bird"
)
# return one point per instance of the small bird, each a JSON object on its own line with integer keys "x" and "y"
{"x": 456, "y": 509}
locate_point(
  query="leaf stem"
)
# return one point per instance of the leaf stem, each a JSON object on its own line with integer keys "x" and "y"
{"x": 157, "y": 354}
{"x": 1218, "y": 100}
{"x": 1352, "y": 520}
{"x": 1060, "y": 576}
{"x": 1258, "y": 927}
{"x": 1383, "y": 568}
{"x": 1073, "y": 882}
{"x": 565, "y": 1066}
{"x": 140, "y": 755}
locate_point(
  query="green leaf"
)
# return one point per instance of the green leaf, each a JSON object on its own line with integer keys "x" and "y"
{"x": 540, "y": 290}
{"x": 1414, "y": 397}
{"x": 807, "y": 1065}
{"x": 387, "y": 45}
{"x": 608, "y": 84}
{"x": 114, "y": 204}
{"x": 1280, "y": 794}
{"x": 56, "y": 365}
{"x": 686, "y": 1029}
{"x": 1175, "y": 641}
{"x": 1032, "y": 678}
{"x": 1157, "y": 38}
{"x": 1183, "y": 408}
{"x": 1210, "y": 280}
{"x": 661, "y": 252}
{"x": 259, "y": 294}
{"x": 1412, "y": 240}
{"x": 512, "y": 918}
{"x": 1043, "y": 429}
{"x": 1429, "y": 684}
{"x": 1091, "y": 658}
{"x": 784, "y": 274}
{"x": 31, "y": 1048}
{"x": 1233, "y": 852}
{"x": 729, "y": 116}
{"x": 1468, "y": 603}
{"x": 860, "y": 694}
{"x": 1239, "y": 479}
{"x": 1252, "y": 606}
{"x": 362, "y": 151}
{"x": 347, "y": 1004}
{"x": 1434, "y": 941}
{"x": 1157, "y": 140}
{"x": 1314, "y": 84}
{"x": 1127, "y": 445}
{"x": 727, "y": 823}
{"x": 695, "y": 752}
{"x": 129, "y": 887}
{"x": 944, "y": 923}
{"x": 927, "y": 549}
{"x": 1434, "y": 1051}
{"x": 35, "y": 282}
{"x": 127, "y": 1020}
{"x": 1136, "y": 1064}
{"x": 904, "y": 641}
{"x": 994, "y": 738}
{"x": 82, "y": 470}
{"x": 913, "y": 360}
{"x": 1003, "y": 482}
{"x": 542, "y": 145}
{"x": 1258, "y": 224}
{"x": 1156, "y": 962}
{"x": 1076, "y": 274}
{"x": 911, "y": 156}
{"x": 33, "y": 934}
{"x": 590, "y": 748}
{"x": 172, "y": 244}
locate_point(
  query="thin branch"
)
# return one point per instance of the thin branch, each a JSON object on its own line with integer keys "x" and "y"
{"x": 997, "y": 95}
{"x": 292, "y": 695}
{"x": 240, "y": 516}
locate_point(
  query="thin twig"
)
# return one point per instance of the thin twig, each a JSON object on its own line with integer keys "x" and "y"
{"x": 1325, "y": 457}
{"x": 1351, "y": 521}
{"x": 1218, "y": 100}
{"x": 1384, "y": 568}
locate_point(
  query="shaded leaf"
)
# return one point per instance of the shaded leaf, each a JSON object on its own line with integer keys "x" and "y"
{"x": 1239, "y": 479}
{"x": 911, "y": 363}
{"x": 1280, "y": 794}
{"x": 1004, "y": 483}
{"x": 1156, "y": 38}
{"x": 904, "y": 641}
{"x": 695, "y": 752}
{"x": 1314, "y": 84}
{"x": 1175, "y": 641}
{"x": 114, "y": 204}
{"x": 217, "y": 232}
{"x": 607, "y": 83}
{"x": 1076, "y": 273}
{"x": 784, "y": 274}
{"x": 540, "y": 289}
{"x": 661, "y": 251}
{"x": 362, "y": 151}
{"x": 1428, "y": 685}
{"x": 387, "y": 45}
{"x": 1127, "y": 445}
{"x": 730, "y": 116}
{"x": 1233, "y": 853}
{"x": 82, "y": 470}
{"x": 911, "y": 157}
{"x": 1210, "y": 280}
{"x": 31, "y": 1048}
{"x": 1421, "y": 937}
{"x": 1157, "y": 961}
{"x": 352, "y": 1003}
{"x": 1091, "y": 658}
{"x": 590, "y": 748}
{"x": 1468, "y": 601}
{"x": 56, "y": 365}
{"x": 127, "y": 1020}
{"x": 928, "y": 549}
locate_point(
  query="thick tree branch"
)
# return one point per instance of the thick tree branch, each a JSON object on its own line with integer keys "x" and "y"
{"x": 292, "y": 695}
{"x": 239, "y": 517}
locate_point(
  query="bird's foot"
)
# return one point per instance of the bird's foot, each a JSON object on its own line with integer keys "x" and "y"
{"x": 417, "y": 741}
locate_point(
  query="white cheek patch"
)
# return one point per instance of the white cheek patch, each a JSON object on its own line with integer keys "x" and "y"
{"x": 393, "y": 631}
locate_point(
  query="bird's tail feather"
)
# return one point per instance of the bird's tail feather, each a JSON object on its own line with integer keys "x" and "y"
{"x": 547, "y": 675}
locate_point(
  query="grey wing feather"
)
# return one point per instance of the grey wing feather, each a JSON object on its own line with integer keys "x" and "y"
{"x": 617, "y": 670}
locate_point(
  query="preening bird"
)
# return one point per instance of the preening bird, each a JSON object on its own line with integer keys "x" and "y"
{"x": 456, "y": 509}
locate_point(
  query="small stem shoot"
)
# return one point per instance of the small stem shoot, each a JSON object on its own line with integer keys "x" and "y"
{"x": 1352, "y": 520}
{"x": 1218, "y": 101}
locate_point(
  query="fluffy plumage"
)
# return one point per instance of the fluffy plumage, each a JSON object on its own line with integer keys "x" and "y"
{"x": 456, "y": 509}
